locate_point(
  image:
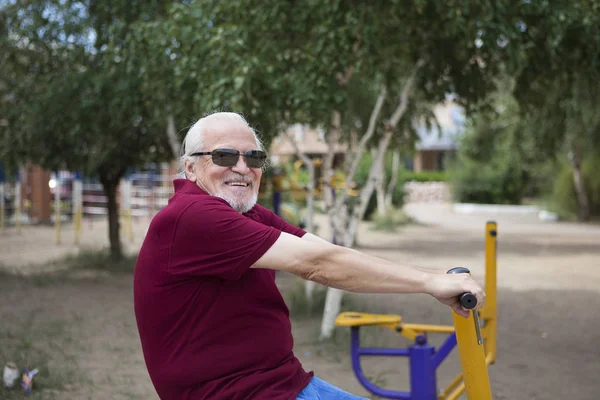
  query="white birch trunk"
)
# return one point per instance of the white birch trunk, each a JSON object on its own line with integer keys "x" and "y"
{"x": 340, "y": 218}
{"x": 393, "y": 179}
{"x": 379, "y": 183}
{"x": 309, "y": 285}
{"x": 342, "y": 222}
{"x": 172, "y": 135}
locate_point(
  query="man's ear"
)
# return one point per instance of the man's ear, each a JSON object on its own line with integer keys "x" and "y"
{"x": 189, "y": 170}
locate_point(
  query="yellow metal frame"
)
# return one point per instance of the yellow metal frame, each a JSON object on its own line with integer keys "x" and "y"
{"x": 390, "y": 321}
{"x": 474, "y": 358}
{"x": 77, "y": 224}
{"x": 127, "y": 222}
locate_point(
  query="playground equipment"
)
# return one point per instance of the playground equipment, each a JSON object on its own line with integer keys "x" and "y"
{"x": 476, "y": 343}
{"x": 291, "y": 183}
{"x": 77, "y": 205}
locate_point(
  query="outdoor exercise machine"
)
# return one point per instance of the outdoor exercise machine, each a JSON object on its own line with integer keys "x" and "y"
{"x": 475, "y": 336}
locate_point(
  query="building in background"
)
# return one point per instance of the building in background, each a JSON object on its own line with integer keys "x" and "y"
{"x": 435, "y": 148}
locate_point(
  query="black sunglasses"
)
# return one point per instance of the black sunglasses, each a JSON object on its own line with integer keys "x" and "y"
{"x": 230, "y": 157}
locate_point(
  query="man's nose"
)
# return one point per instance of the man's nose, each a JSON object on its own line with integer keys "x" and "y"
{"x": 241, "y": 165}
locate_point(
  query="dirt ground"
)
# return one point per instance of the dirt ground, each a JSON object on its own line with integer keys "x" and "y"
{"x": 78, "y": 327}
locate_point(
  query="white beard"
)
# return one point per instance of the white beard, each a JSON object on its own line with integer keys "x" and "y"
{"x": 238, "y": 204}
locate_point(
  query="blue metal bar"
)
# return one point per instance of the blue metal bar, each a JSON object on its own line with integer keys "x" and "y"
{"x": 277, "y": 203}
{"x": 443, "y": 351}
{"x": 422, "y": 372}
{"x": 367, "y": 351}
{"x": 355, "y": 349}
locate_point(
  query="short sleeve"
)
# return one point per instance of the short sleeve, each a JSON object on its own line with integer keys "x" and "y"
{"x": 212, "y": 239}
{"x": 277, "y": 222}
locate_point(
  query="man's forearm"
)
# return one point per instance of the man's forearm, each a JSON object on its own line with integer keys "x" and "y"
{"x": 351, "y": 270}
{"x": 354, "y": 271}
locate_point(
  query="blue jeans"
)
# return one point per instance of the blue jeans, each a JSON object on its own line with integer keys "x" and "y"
{"x": 318, "y": 389}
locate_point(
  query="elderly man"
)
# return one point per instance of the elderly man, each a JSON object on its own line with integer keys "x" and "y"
{"x": 212, "y": 322}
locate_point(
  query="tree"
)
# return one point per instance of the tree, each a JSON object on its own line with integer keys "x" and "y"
{"x": 555, "y": 58}
{"x": 439, "y": 58}
{"x": 74, "y": 95}
{"x": 285, "y": 62}
{"x": 310, "y": 196}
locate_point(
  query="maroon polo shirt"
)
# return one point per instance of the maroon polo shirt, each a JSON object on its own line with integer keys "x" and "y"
{"x": 210, "y": 326}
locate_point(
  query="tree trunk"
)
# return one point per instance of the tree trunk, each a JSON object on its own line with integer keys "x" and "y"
{"x": 333, "y": 301}
{"x": 582, "y": 199}
{"x": 333, "y": 305}
{"x": 110, "y": 184}
{"x": 172, "y": 135}
{"x": 309, "y": 285}
{"x": 310, "y": 195}
{"x": 394, "y": 178}
{"x": 341, "y": 221}
{"x": 379, "y": 184}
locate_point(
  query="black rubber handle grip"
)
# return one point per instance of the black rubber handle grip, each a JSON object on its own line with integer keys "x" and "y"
{"x": 467, "y": 300}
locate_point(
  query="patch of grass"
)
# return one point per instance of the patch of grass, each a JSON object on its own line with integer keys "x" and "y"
{"x": 390, "y": 221}
{"x": 298, "y": 304}
{"x": 97, "y": 263}
{"x": 100, "y": 260}
{"x": 301, "y": 308}
{"x": 32, "y": 345}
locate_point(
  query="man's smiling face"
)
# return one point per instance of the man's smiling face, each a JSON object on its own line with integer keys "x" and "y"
{"x": 239, "y": 184}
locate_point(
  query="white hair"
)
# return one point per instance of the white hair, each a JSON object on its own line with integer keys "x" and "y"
{"x": 194, "y": 139}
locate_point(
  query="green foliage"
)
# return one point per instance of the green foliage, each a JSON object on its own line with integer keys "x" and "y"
{"x": 362, "y": 173}
{"x": 75, "y": 101}
{"x": 498, "y": 161}
{"x": 101, "y": 260}
{"x": 423, "y": 176}
{"x": 555, "y": 61}
{"x": 73, "y": 94}
{"x": 390, "y": 221}
{"x": 564, "y": 198}
{"x": 500, "y": 181}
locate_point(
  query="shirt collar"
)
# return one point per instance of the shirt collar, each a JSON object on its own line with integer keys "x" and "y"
{"x": 186, "y": 186}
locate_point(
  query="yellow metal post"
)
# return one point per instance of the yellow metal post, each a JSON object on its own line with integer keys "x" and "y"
{"x": 472, "y": 354}
{"x": 77, "y": 207}
{"x": 130, "y": 225}
{"x": 490, "y": 310}
{"x": 472, "y": 359}
{"x": 77, "y": 224}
